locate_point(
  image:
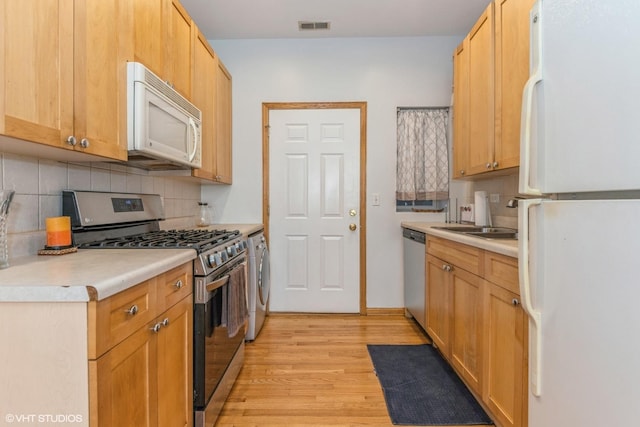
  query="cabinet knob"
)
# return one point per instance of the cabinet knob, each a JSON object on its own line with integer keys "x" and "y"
{"x": 488, "y": 165}
{"x": 462, "y": 172}
{"x": 133, "y": 310}
{"x": 515, "y": 301}
{"x": 71, "y": 140}
{"x": 178, "y": 284}
{"x": 165, "y": 322}
{"x": 446, "y": 267}
{"x": 156, "y": 328}
{"x": 495, "y": 164}
{"x": 84, "y": 143}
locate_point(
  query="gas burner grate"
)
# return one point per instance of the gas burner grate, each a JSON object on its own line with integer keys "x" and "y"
{"x": 199, "y": 240}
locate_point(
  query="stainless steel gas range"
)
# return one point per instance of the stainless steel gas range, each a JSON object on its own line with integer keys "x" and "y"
{"x": 103, "y": 220}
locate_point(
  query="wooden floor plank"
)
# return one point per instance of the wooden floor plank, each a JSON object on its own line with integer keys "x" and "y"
{"x": 314, "y": 370}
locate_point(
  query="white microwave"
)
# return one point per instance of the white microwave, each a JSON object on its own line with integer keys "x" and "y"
{"x": 163, "y": 128}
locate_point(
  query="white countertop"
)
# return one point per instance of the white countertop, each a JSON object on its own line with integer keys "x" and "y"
{"x": 502, "y": 246}
{"x": 92, "y": 274}
{"x": 89, "y": 274}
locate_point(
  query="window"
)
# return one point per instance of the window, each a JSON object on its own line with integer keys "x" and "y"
{"x": 422, "y": 168}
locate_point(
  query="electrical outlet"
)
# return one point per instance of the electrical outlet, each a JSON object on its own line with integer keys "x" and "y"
{"x": 466, "y": 213}
{"x": 375, "y": 199}
{"x": 494, "y": 198}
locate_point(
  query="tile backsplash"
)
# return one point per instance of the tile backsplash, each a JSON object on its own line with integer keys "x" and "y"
{"x": 505, "y": 187}
{"x": 38, "y": 186}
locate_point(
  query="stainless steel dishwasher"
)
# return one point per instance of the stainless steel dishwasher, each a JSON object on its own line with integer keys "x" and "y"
{"x": 414, "y": 275}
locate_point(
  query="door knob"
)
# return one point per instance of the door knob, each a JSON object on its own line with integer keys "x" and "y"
{"x": 352, "y": 227}
{"x": 352, "y": 212}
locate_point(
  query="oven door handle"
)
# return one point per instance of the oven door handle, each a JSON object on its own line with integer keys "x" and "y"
{"x": 218, "y": 283}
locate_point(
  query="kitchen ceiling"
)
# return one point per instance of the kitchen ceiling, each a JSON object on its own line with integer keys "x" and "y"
{"x": 260, "y": 19}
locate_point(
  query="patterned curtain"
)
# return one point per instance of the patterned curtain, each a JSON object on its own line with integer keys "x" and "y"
{"x": 423, "y": 160}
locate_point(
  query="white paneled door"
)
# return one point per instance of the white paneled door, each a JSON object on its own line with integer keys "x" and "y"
{"x": 314, "y": 223}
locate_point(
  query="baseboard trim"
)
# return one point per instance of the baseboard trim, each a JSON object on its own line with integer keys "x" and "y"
{"x": 385, "y": 311}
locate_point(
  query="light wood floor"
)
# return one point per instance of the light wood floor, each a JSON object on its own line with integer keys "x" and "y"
{"x": 314, "y": 370}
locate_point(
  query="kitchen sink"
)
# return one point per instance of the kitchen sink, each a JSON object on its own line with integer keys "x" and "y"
{"x": 486, "y": 232}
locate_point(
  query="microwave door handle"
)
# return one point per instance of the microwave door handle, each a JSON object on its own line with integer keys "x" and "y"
{"x": 194, "y": 139}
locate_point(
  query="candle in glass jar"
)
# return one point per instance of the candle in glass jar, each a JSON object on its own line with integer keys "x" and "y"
{"x": 58, "y": 231}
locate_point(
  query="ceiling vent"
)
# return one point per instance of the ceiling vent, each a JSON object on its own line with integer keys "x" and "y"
{"x": 310, "y": 26}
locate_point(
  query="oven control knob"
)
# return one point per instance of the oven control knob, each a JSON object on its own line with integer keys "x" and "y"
{"x": 223, "y": 257}
{"x": 211, "y": 259}
{"x": 231, "y": 250}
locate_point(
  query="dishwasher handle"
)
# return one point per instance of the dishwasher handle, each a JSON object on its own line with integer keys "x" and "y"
{"x": 416, "y": 236}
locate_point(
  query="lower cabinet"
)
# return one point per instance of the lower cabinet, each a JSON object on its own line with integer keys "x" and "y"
{"x": 505, "y": 376}
{"x": 145, "y": 378}
{"x": 475, "y": 319}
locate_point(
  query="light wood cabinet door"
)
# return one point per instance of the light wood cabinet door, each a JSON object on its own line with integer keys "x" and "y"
{"x": 180, "y": 31}
{"x": 511, "y": 73}
{"x": 505, "y": 376}
{"x": 466, "y": 338}
{"x": 148, "y": 33}
{"x": 175, "y": 366}
{"x": 100, "y": 76}
{"x": 123, "y": 383}
{"x": 460, "y": 110}
{"x": 438, "y": 304}
{"x": 481, "y": 92}
{"x": 64, "y": 75}
{"x": 223, "y": 125}
{"x": 205, "y": 67}
{"x": 36, "y": 70}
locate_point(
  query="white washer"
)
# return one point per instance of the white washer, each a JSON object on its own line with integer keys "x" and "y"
{"x": 259, "y": 282}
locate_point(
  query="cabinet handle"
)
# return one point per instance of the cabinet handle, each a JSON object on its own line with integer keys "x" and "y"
{"x": 178, "y": 284}
{"x": 84, "y": 143}
{"x": 71, "y": 140}
{"x": 165, "y": 322}
{"x": 515, "y": 301}
{"x": 156, "y": 328}
{"x": 133, "y": 310}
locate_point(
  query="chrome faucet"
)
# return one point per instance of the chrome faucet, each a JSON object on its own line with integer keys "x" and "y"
{"x": 513, "y": 203}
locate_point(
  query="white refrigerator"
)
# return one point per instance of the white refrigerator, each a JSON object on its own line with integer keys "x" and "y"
{"x": 579, "y": 247}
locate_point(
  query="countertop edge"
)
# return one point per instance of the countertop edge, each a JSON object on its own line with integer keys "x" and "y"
{"x": 503, "y": 247}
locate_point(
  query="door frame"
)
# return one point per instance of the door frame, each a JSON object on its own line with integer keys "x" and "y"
{"x": 362, "y": 106}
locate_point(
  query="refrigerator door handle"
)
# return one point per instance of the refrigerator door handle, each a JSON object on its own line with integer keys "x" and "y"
{"x": 535, "y": 326}
{"x": 535, "y": 77}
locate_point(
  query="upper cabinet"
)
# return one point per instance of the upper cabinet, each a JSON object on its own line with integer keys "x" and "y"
{"x": 212, "y": 95}
{"x": 63, "y": 75}
{"x": 223, "y": 122}
{"x": 491, "y": 67}
{"x": 205, "y": 66}
{"x": 163, "y": 40}
{"x": 460, "y": 109}
{"x": 179, "y": 43}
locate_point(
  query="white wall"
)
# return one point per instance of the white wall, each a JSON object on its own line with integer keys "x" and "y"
{"x": 385, "y": 73}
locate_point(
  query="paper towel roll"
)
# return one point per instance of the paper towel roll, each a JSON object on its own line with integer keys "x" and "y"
{"x": 481, "y": 208}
